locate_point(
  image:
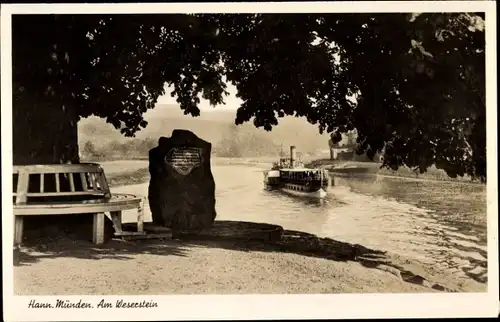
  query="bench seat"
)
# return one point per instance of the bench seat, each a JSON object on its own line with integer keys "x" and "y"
{"x": 87, "y": 181}
{"x": 117, "y": 202}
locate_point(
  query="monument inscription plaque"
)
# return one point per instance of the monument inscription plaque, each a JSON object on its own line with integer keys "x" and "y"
{"x": 184, "y": 159}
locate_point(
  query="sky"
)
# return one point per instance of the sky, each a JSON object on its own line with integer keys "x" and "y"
{"x": 232, "y": 102}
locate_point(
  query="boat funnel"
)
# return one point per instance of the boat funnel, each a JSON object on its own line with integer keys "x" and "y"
{"x": 293, "y": 156}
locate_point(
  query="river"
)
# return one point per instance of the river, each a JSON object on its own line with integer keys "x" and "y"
{"x": 438, "y": 224}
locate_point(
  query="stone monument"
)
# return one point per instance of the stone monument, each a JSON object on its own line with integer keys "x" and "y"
{"x": 182, "y": 188}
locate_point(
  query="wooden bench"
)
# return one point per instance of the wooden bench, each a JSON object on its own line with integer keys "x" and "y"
{"x": 65, "y": 189}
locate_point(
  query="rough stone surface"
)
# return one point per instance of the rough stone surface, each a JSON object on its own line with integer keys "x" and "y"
{"x": 182, "y": 188}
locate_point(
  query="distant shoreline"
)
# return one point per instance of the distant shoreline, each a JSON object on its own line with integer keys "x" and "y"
{"x": 357, "y": 168}
{"x": 120, "y": 173}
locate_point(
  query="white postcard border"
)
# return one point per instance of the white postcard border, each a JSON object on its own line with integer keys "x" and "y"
{"x": 221, "y": 307}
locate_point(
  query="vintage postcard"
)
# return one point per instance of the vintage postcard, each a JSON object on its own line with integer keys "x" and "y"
{"x": 199, "y": 161}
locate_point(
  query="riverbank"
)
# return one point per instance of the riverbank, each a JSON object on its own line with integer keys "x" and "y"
{"x": 124, "y": 172}
{"x": 340, "y": 167}
{"x": 128, "y": 172}
{"x": 213, "y": 262}
{"x": 299, "y": 264}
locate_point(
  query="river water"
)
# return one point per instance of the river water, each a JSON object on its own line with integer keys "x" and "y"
{"x": 438, "y": 224}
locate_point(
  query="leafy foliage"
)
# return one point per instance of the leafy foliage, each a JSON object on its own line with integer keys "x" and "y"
{"x": 411, "y": 84}
{"x": 130, "y": 149}
{"x": 89, "y": 151}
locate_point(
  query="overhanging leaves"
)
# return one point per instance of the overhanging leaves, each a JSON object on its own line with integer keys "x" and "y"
{"x": 412, "y": 85}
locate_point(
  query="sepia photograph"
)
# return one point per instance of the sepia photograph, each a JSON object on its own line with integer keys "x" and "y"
{"x": 229, "y": 151}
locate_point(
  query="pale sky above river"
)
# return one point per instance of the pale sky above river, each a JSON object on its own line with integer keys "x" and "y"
{"x": 232, "y": 102}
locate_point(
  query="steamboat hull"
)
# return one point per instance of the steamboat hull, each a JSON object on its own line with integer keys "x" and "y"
{"x": 312, "y": 189}
{"x": 317, "y": 194}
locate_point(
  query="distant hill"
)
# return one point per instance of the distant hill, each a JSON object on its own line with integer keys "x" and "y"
{"x": 215, "y": 126}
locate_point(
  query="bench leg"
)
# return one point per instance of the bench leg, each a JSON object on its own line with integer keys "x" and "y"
{"x": 116, "y": 217}
{"x": 98, "y": 231}
{"x": 140, "y": 217}
{"x": 18, "y": 230}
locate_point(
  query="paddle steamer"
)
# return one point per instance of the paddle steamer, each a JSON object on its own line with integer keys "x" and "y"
{"x": 290, "y": 176}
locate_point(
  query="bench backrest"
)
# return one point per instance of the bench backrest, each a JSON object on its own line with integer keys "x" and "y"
{"x": 59, "y": 180}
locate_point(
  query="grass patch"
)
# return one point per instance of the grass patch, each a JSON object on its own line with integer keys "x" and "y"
{"x": 128, "y": 177}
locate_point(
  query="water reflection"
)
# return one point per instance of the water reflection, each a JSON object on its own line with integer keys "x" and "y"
{"x": 301, "y": 201}
{"x": 442, "y": 224}
{"x": 462, "y": 206}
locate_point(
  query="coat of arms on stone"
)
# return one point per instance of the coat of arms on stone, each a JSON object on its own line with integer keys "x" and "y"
{"x": 184, "y": 159}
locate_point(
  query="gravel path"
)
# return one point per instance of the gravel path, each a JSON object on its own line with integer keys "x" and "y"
{"x": 175, "y": 267}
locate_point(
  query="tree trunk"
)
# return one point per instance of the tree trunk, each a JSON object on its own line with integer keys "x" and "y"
{"x": 43, "y": 133}
{"x": 47, "y": 134}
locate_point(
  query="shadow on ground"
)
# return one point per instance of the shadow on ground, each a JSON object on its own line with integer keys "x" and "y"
{"x": 32, "y": 252}
{"x": 232, "y": 235}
